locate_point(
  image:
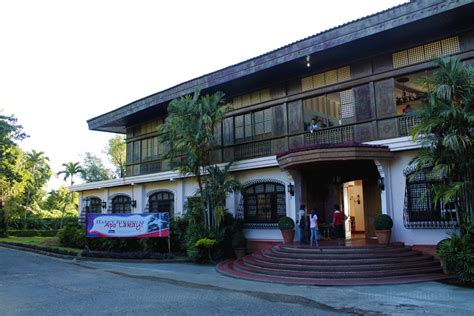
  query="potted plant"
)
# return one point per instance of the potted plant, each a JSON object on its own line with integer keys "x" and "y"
{"x": 287, "y": 225}
{"x": 239, "y": 243}
{"x": 383, "y": 228}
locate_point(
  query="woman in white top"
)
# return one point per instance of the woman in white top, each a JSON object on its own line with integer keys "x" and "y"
{"x": 313, "y": 220}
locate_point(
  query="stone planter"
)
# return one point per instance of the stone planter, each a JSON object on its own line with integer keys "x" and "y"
{"x": 383, "y": 236}
{"x": 288, "y": 236}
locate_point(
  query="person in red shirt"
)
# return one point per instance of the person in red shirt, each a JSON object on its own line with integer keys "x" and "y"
{"x": 338, "y": 222}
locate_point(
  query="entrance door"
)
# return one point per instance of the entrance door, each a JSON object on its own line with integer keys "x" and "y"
{"x": 353, "y": 195}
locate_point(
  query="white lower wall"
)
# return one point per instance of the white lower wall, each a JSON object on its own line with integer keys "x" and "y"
{"x": 409, "y": 236}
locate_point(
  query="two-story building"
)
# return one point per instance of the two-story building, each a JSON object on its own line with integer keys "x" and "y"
{"x": 356, "y": 83}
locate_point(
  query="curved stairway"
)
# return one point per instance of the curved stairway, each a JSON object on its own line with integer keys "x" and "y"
{"x": 335, "y": 265}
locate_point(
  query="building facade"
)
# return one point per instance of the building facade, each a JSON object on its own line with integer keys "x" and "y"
{"x": 319, "y": 122}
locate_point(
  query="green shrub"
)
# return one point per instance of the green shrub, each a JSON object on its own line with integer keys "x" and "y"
{"x": 286, "y": 223}
{"x": 457, "y": 252}
{"x": 33, "y": 233}
{"x": 72, "y": 235}
{"x": 383, "y": 222}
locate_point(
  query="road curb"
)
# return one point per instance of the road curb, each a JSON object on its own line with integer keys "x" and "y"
{"x": 17, "y": 246}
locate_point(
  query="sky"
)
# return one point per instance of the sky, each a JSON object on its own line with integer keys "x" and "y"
{"x": 64, "y": 62}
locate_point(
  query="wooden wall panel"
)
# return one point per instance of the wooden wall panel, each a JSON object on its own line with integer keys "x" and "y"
{"x": 279, "y": 120}
{"x": 295, "y": 116}
{"x": 228, "y": 131}
{"x": 364, "y": 102}
{"x": 385, "y": 98}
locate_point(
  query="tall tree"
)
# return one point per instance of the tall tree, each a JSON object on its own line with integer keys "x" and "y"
{"x": 37, "y": 173}
{"x": 217, "y": 185}
{"x": 10, "y": 133}
{"x": 71, "y": 169}
{"x": 116, "y": 151}
{"x": 446, "y": 131}
{"x": 94, "y": 169}
{"x": 189, "y": 132}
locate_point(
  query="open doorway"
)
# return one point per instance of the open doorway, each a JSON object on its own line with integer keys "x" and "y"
{"x": 353, "y": 197}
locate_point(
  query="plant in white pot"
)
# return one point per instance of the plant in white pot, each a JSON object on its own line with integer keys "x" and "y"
{"x": 383, "y": 228}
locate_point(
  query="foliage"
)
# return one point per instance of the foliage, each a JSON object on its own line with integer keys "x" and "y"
{"x": 40, "y": 223}
{"x": 217, "y": 185}
{"x": 446, "y": 132}
{"x": 457, "y": 252}
{"x": 70, "y": 170}
{"x": 205, "y": 243}
{"x": 94, "y": 169}
{"x": 116, "y": 151}
{"x": 36, "y": 176}
{"x": 189, "y": 133}
{"x": 58, "y": 201}
{"x": 383, "y": 222}
{"x": 286, "y": 223}
{"x": 32, "y": 233}
{"x": 72, "y": 235}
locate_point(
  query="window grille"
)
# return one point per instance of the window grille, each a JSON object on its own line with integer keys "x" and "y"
{"x": 121, "y": 204}
{"x": 162, "y": 201}
{"x": 326, "y": 78}
{"x": 426, "y": 52}
{"x": 420, "y": 209}
{"x": 264, "y": 202}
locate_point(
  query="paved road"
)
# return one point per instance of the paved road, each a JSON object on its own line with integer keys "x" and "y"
{"x": 32, "y": 284}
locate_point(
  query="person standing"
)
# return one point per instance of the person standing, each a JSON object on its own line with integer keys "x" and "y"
{"x": 300, "y": 221}
{"x": 338, "y": 223}
{"x": 313, "y": 226}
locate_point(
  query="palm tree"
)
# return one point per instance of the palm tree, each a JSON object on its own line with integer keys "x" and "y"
{"x": 446, "y": 132}
{"x": 70, "y": 170}
{"x": 189, "y": 132}
{"x": 217, "y": 185}
{"x": 38, "y": 166}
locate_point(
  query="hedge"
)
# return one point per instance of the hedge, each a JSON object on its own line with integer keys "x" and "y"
{"x": 33, "y": 233}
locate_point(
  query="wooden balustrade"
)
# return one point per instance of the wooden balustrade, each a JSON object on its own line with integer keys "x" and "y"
{"x": 335, "y": 135}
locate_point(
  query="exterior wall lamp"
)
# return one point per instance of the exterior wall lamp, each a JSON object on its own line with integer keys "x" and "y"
{"x": 134, "y": 203}
{"x": 291, "y": 189}
{"x": 381, "y": 183}
{"x": 104, "y": 205}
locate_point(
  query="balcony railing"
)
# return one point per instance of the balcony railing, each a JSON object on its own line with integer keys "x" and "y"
{"x": 335, "y": 135}
{"x": 252, "y": 150}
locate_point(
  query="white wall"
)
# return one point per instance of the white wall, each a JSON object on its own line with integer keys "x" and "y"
{"x": 397, "y": 185}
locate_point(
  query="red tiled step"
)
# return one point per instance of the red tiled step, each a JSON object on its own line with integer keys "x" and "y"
{"x": 240, "y": 265}
{"x": 333, "y": 250}
{"x": 227, "y": 268}
{"x": 274, "y": 253}
{"x": 250, "y": 260}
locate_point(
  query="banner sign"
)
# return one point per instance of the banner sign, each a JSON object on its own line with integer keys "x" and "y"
{"x": 128, "y": 225}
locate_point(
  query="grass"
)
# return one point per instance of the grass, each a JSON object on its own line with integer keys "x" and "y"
{"x": 52, "y": 242}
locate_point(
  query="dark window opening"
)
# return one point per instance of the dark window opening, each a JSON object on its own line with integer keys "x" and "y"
{"x": 121, "y": 204}
{"x": 161, "y": 202}
{"x": 264, "y": 203}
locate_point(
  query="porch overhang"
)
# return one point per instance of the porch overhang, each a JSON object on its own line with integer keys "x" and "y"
{"x": 303, "y": 156}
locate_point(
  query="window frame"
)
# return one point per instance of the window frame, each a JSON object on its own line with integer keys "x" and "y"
{"x": 270, "y": 198}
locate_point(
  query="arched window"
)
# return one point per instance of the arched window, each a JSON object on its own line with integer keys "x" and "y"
{"x": 94, "y": 205}
{"x": 161, "y": 202}
{"x": 121, "y": 204}
{"x": 264, "y": 202}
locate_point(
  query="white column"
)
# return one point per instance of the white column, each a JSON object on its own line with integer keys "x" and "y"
{"x": 385, "y": 195}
